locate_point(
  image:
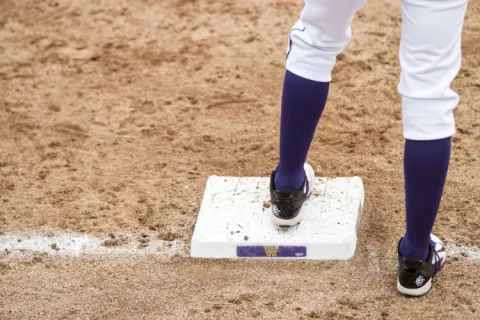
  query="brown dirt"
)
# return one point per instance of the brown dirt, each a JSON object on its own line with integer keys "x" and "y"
{"x": 113, "y": 113}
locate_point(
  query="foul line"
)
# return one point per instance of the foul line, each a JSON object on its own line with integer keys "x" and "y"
{"x": 471, "y": 253}
{"x": 13, "y": 246}
{"x": 373, "y": 263}
{"x": 24, "y": 246}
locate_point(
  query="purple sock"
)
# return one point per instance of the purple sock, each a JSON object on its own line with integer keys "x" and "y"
{"x": 426, "y": 166}
{"x": 303, "y": 102}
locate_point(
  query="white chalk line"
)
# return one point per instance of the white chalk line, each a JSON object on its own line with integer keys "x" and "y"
{"x": 373, "y": 263}
{"x": 455, "y": 251}
{"x": 24, "y": 246}
{"x": 471, "y": 253}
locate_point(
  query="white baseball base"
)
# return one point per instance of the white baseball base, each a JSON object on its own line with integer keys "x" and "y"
{"x": 235, "y": 221}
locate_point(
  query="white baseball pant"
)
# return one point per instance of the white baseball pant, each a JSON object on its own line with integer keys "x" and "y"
{"x": 430, "y": 56}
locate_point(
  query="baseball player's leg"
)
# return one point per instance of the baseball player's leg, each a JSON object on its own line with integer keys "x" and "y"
{"x": 430, "y": 56}
{"x": 319, "y": 36}
{"x": 314, "y": 42}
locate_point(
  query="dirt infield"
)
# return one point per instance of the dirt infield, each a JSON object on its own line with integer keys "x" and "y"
{"x": 113, "y": 113}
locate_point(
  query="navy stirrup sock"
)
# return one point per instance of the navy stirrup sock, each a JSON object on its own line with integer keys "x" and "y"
{"x": 426, "y": 166}
{"x": 303, "y": 102}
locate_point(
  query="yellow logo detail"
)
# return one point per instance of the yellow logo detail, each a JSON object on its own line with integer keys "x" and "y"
{"x": 271, "y": 251}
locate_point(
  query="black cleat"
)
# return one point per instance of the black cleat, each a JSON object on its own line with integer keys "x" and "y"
{"x": 287, "y": 204}
{"x": 415, "y": 275}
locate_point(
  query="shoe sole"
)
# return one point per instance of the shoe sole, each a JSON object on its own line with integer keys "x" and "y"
{"x": 292, "y": 222}
{"x": 415, "y": 292}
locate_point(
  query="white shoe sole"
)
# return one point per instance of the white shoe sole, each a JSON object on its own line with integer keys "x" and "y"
{"x": 287, "y": 223}
{"x": 415, "y": 292}
{"x": 310, "y": 174}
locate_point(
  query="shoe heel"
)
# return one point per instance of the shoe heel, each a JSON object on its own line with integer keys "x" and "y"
{"x": 415, "y": 292}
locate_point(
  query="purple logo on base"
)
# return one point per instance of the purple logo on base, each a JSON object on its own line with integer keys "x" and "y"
{"x": 271, "y": 252}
